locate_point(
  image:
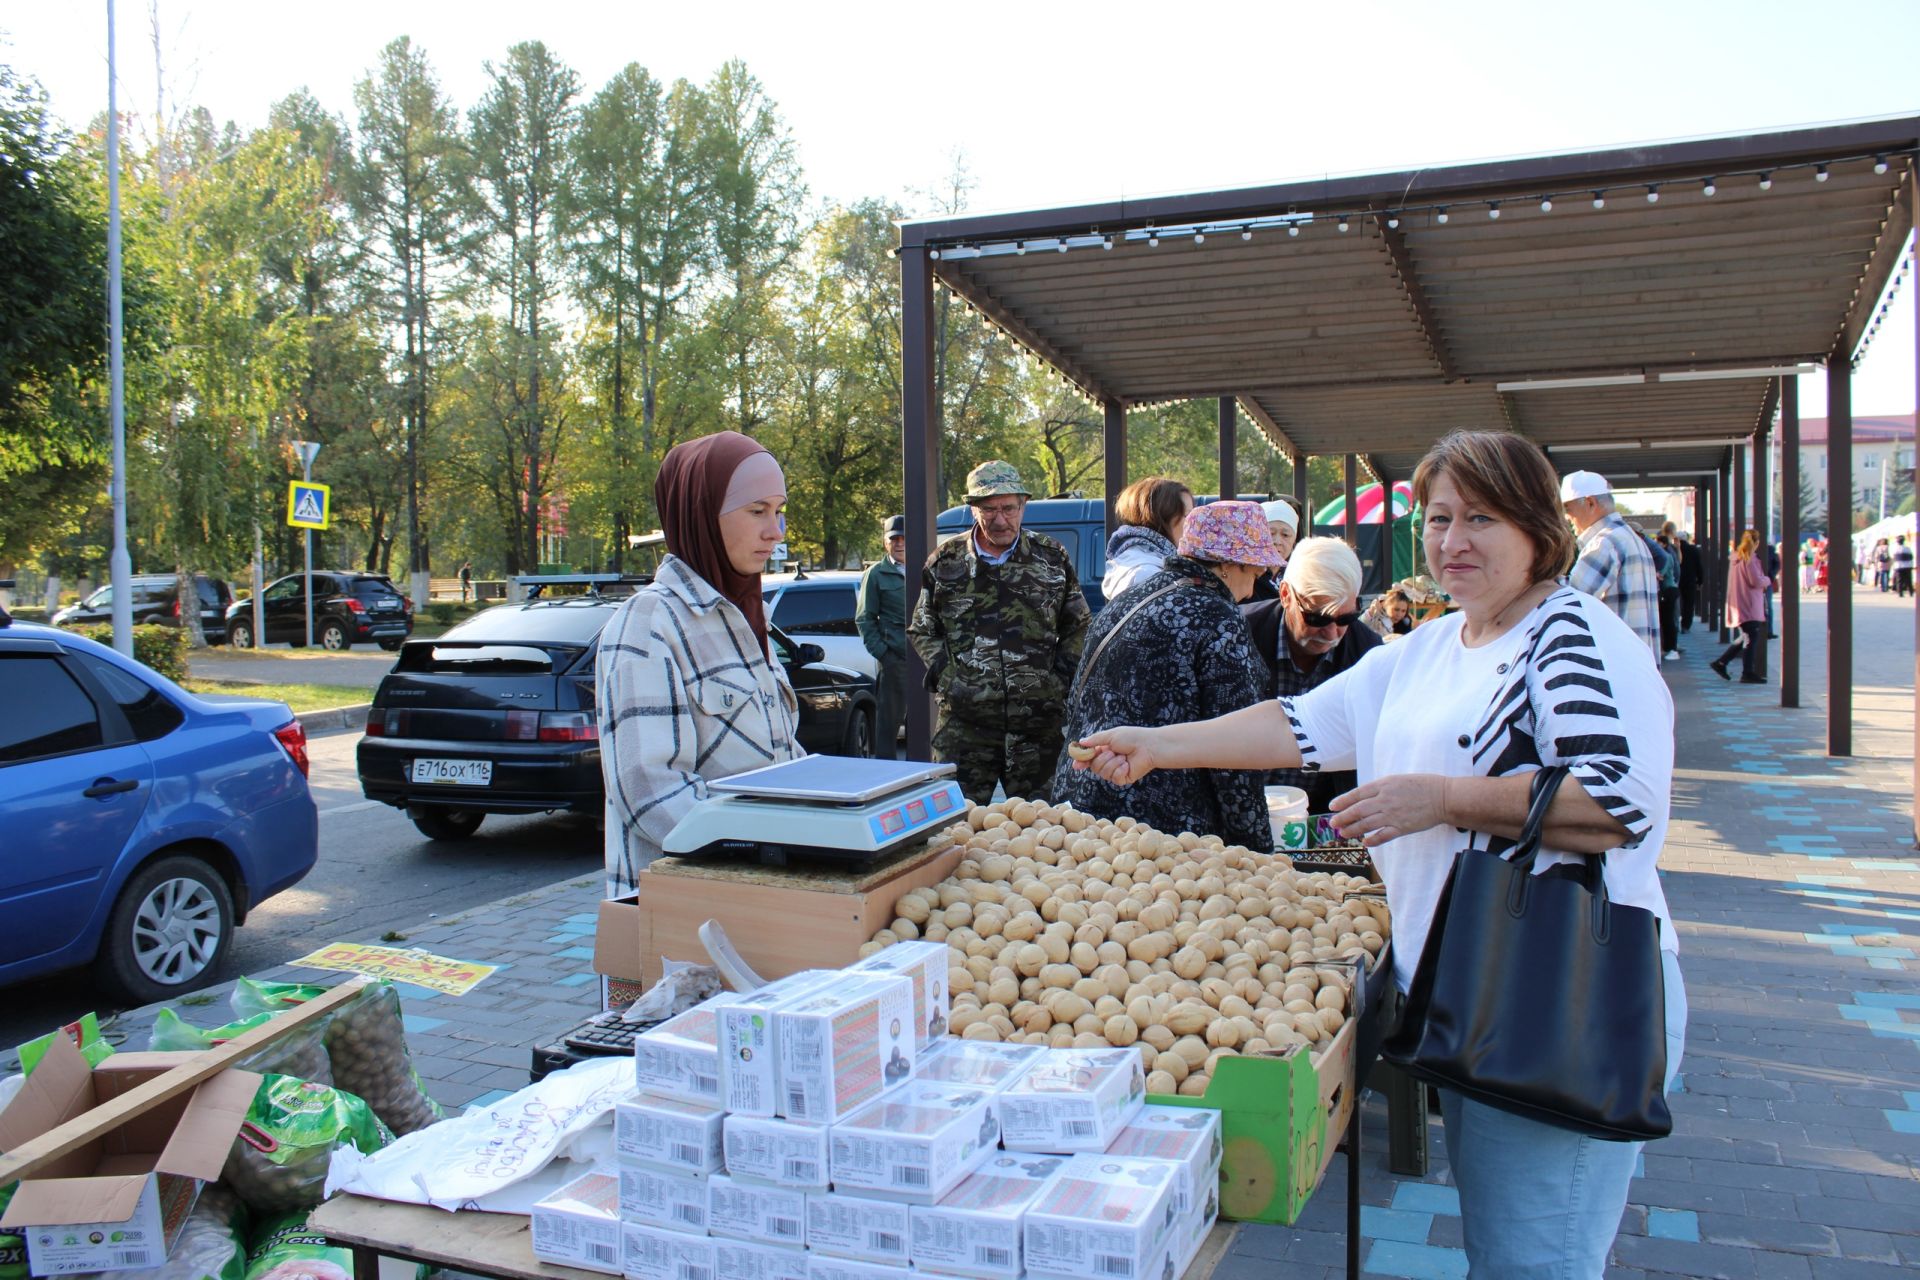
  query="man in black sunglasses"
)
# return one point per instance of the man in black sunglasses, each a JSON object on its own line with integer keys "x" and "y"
{"x": 1308, "y": 636}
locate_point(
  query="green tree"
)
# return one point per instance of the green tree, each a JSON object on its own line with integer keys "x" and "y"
{"x": 402, "y": 194}
{"x": 518, "y": 167}
{"x": 635, "y": 214}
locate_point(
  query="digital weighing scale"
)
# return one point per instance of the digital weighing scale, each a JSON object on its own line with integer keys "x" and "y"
{"x": 835, "y": 807}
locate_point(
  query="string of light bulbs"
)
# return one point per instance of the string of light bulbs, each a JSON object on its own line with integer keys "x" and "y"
{"x": 1885, "y": 309}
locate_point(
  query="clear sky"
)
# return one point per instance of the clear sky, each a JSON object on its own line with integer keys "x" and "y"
{"x": 1050, "y": 103}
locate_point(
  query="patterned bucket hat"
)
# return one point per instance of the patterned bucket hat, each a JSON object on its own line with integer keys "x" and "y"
{"x": 992, "y": 479}
{"x": 1230, "y": 533}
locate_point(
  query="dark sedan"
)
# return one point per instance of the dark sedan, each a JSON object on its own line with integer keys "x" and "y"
{"x": 497, "y": 716}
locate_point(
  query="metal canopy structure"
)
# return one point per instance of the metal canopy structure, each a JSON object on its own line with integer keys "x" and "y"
{"x": 1632, "y": 308}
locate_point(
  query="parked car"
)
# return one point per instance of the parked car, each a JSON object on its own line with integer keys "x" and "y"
{"x": 820, "y": 608}
{"x": 349, "y": 608}
{"x": 143, "y": 823}
{"x": 497, "y": 716}
{"x": 156, "y": 598}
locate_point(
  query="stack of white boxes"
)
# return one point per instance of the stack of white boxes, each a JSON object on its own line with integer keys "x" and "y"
{"x": 825, "y": 1127}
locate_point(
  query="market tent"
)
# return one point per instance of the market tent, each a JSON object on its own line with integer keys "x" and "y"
{"x": 1367, "y": 499}
{"x": 1890, "y": 528}
{"x": 1639, "y": 312}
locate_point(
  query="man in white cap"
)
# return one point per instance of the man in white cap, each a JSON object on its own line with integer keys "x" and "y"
{"x": 1283, "y": 523}
{"x": 1614, "y": 565}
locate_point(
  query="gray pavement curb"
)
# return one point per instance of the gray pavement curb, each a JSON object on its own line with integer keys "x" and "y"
{"x": 353, "y": 717}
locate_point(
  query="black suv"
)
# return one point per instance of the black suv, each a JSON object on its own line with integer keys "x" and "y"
{"x": 349, "y": 608}
{"x": 156, "y": 598}
{"x": 497, "y": 716}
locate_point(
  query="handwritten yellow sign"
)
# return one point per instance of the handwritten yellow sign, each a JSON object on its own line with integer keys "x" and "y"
{"x": 436, "y": 973}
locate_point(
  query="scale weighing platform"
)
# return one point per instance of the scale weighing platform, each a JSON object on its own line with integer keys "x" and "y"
{"x": 842, "y": 808}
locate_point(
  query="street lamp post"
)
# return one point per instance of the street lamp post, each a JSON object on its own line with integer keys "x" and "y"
{"x": 307, "y": 450}
{"x": 119, "y": 562}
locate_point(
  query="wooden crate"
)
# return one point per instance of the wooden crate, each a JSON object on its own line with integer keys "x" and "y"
{"x": 780, "y": 919}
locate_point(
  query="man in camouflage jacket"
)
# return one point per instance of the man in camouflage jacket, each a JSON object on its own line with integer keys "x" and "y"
{"x": 999, "y": 624}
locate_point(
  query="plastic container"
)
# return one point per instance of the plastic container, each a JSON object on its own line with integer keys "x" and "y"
{"x": 1287, "y": 811}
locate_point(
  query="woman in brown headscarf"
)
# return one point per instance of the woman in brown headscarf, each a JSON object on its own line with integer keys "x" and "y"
{"x": 687, "y": 689}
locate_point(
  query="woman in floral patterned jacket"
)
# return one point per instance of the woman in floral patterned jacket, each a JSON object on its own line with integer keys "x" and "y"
{"x": 1172, "y": 648}
{"x": 688, "y": 691}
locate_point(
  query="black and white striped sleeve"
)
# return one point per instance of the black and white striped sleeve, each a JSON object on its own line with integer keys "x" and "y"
{"x": 1600, "y": 707}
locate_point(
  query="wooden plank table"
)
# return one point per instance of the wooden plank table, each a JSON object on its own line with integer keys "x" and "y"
{"x": 500, "y": 1245}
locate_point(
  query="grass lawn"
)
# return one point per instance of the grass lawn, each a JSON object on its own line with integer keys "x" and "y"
{"x": 301, "y": 697}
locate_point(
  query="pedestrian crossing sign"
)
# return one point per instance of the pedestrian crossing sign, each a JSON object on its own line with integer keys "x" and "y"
{"x": 307, "y": 505}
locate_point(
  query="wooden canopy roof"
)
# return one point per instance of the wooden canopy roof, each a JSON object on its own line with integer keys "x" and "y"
{"x": 1449, "y": 287}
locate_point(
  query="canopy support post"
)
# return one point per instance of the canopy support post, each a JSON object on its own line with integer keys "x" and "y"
{"x": 1300, "y": 495}
{"x": 1114, "y": 457}
{"x": 1229, "y": 447}
{"x": 920, "y": 439}
{"x": 1840, "y": 539}
{"x": 1349, "y": 518}
{"x": 1790, "y": 541}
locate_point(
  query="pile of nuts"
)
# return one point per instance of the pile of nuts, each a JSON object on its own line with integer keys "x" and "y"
{"x": 1074, "y": 931}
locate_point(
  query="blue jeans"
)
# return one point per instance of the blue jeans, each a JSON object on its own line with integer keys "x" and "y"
{"x": 1537, "y": 1201}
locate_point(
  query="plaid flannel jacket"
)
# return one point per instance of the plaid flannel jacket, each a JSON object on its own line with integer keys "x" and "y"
{"x": 1616, "y": 569}
{"x": 683, "y": 696}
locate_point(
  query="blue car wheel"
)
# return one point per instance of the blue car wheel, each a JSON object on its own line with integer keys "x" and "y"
{"x": 169, "y": 932}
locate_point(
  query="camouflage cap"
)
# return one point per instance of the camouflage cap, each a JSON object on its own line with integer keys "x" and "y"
{"x": 991, "y": 479}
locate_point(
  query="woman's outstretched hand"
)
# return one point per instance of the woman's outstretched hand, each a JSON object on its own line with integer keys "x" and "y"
{"x": 1119, "y": 756}
{"x": 1388, "y": 808}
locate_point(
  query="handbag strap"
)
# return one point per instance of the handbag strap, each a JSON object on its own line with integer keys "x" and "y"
{"x": 1092, "y": 660}
{"x": 1545, "y": 785}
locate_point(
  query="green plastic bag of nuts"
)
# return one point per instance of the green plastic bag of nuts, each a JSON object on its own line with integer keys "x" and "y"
{"x": 285, "y": 1249}
{"x": 367, "y": 1044}
{"x": 299, "y": 1053}
{"x": 251, "y": 996}
{"x": 279, "y": 1160}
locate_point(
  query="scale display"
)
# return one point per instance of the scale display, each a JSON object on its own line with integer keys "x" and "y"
{"x": 828, "y": 807}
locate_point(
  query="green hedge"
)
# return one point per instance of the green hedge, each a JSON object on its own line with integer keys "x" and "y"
{"x": 162, "y": 648}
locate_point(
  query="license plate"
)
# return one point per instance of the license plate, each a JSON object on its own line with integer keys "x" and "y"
{"x": 454, "y": 773}
{"x": 385, "y": 605}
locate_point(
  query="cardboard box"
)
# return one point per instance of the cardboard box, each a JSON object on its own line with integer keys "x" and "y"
{"x": 855, "y": 1227}
{"x": 740, "y": 1260}
{"x": 1071, "y": 1100}
{"x": 975, "y": 1229}
{"x": 1281, "y": 1119}
{"x": 777, "y": 1153}
{"x": 657, "y": 1198}
{"x": 653, "y": 1253}
{"x": 117, "y": 1203}
{"x": 761, "y": 1215}
{"x": 680, "y": 1058}
{"x": 824, "y": 915}
{"x": 579, "y": 1225}
{"x": 748, "y": 1041}
{"x": 977, "y": 1064}
{"x": 616, "y": 952}
{"x": 1103, "y": 1217}
{"x": 822, "y": 1266}
{"x": 915, "y": 1144}
{"x": 926, "y": 964}
{"x": 684, "y": 1137}
{"x": 1188, "y": 1136}
{"x": 843, "y": 1046}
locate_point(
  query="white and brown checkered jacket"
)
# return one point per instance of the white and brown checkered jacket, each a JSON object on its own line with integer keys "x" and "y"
{"x": 683, "y": 697}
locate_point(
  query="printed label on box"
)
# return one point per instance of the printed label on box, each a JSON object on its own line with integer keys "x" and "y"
{"x": 843, "y": 1046}
{"x": 683, "y": 1136}
{"x": 1188, "y": 1136}
{"x": 853, "y": 1227}
{"x": 975, "y": 1229}
{"x": 745, "y": 1211}
{"x": 579, "y": 1225}
{"x": 144, "y": 1239}
{"x": 676, "y": 1201}
{"x": 653, "y": 1253}
{"x": 782, "y": 1153}
{"x": 916, "y": 1143}
{"x": 739, "y": 1260}
{"x": 1103, "y": 1217}
{"x": 925, "y": 964}
{"x": 749, "y": 1058}
{"x": 978, "y": 1064}
{"x": 1071, "y": 1100}
{"x": 823, "y": 1266}
{"x": 678, "y": 1058}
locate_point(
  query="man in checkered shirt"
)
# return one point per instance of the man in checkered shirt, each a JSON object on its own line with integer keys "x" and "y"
{"x": 1614, "y": 565}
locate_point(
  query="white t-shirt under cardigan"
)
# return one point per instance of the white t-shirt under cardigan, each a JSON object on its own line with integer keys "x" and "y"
{"x": 1570, "y": 684}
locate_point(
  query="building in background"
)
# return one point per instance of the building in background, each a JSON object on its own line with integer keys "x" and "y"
{"x": 1883, "y": 455}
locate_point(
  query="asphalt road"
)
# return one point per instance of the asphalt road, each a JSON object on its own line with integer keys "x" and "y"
{"x": 376, "y": 873}
{"x": 359, "y": 668}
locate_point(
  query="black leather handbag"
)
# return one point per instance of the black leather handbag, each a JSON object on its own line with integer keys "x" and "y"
{"x": 1539, "y": 995}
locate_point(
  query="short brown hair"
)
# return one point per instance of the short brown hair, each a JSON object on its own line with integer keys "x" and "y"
{"x": 1508, "y": 475}
{"x": 1155, "y": 503}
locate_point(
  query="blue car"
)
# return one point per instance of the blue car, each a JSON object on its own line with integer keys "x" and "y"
{"x": 138, "y": 823}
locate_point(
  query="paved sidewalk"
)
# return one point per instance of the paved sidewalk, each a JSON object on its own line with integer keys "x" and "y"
{"x": 1796, "y": 890}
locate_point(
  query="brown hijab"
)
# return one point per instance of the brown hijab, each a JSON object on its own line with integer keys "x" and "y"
{"x": 690, "y": 492}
